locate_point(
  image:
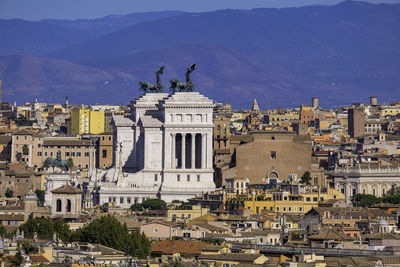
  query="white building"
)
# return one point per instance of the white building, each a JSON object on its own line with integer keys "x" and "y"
{"x": 373, "y": 181}
{"x": 164, "y": 149}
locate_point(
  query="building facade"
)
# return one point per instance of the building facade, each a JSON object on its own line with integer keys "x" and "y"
{"x": 33, "y": 149}
{"x": 273, "y": 155}
{"x": 164, "y": 149}
{"x": 373, "y": 181}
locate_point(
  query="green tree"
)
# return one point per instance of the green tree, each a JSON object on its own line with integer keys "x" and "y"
{"x": 365, "y": 200}
{"x": 29, "y": 247}
{"x": 9, "y": 193}
{"x": 62, "y": 230}
{"x": 40, "y": 196}
{"x": 45, "y": 228}
{"x": 108, "y": 231}
{"x": 3, "y": 230}
{"x": 306, "y": 178}
{"x": 154, "y": 204}
{"x": 18, "y": 259}
{"x": 70, "y": 163}
{"x": 25, "y": 149}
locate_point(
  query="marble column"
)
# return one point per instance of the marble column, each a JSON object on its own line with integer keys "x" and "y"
{"x": 173, "y": 148}
{"x": 203, "y": 150}
{"x": 209, "y": 151}
{"x": 193, "y": 151}
{"x": 183, "y": 154}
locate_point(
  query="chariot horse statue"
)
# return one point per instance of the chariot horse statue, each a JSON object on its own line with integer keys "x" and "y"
{"x": 153, "y": 88}
{"x": 188, "y": 86}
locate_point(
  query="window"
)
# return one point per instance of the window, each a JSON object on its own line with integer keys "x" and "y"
{"x": 300, "y": 208}
{"x": 39, "y": 145}
{"x": 39, "y": 153}
{"x": 188, "y": 177}
{"x": 308, "y": 199}
{"x": 273, "y": 154}
{"x": 73, "y": 154}
{"x": 155, "y": 230}
{"x": 315, "y": 180}
{"x": 109, "y": 199}
{"x": 58, "y": 205}
{"x": 67, "y": 154}
{"x": 104, "y": 153}
{"x": 284, "y": 208}
{"x": 78, "y": 154}
{"x": 128, "y": 200}
{"x": 155, "y": 177}
{"x": 121, "y": 200}
{"x": 198, "y": 178}
{"x": 68, "y": 208}
{"x": 178, "y": 178}
{"x": 315, "y": 199}
{"x": 86, "y": 154}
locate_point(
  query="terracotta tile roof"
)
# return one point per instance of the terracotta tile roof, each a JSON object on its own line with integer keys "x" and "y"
{"x": 210, "y": 227}
{"x": 66, "y": 142}
{"x": 330, "y": 234}
{"x": 25, "y": 132}
{"x": 240, "y": 257}
{"x": 345, "y": 261}
{"x": 66, "y": 189}
{"x": 382, "y": 236}
{"x": 38, "y": 259}
{"x": 15, "y": 217}
{"x": 212, "y": 248}
{"x": 169, "y": 247}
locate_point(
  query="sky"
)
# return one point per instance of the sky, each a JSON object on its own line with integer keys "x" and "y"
{"x": 74, "y": 9}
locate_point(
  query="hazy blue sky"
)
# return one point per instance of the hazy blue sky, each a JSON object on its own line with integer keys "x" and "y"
{"x": 73, "y": 9}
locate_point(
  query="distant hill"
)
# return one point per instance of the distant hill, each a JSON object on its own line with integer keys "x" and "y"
{"x": 48, "y": 79}
{"x": 20, "y": 37}
{"x": 111, "y": 23}
{"x": 342, "y": 54}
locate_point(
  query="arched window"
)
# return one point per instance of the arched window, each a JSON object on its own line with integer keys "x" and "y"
{"x": 68, "y": 205}
{"x": 58, "y": 205}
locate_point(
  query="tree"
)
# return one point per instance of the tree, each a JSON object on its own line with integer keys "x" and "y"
{"x": 305, "y": 178}
{"x": 9, "y": 193}
{"x": 70, "y": 163}
{"x": 3, "y": 230}
{"x": 365, "y": 200}
{"x": 18, "y": 259}
{"x": 45, "y": 228}
{"x": 154, "y": 204}
{"x": 108, "y": 231}
{"x": 25, "y": 149}
{"x": 40, "y": 196}
{"x": 29, "y": 247}
{"x": 62, "y": 230}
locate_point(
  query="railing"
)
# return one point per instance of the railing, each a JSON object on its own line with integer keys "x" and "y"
{"x": 265, "y": 249}
{"x": 357, "y": 170}
{"x": 326, "y": 251}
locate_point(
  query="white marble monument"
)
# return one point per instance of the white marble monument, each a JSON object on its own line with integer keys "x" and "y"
{"x": 164, "y": 149}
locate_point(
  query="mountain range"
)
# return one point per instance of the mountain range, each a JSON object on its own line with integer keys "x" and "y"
{"x": 282, "y": 57}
